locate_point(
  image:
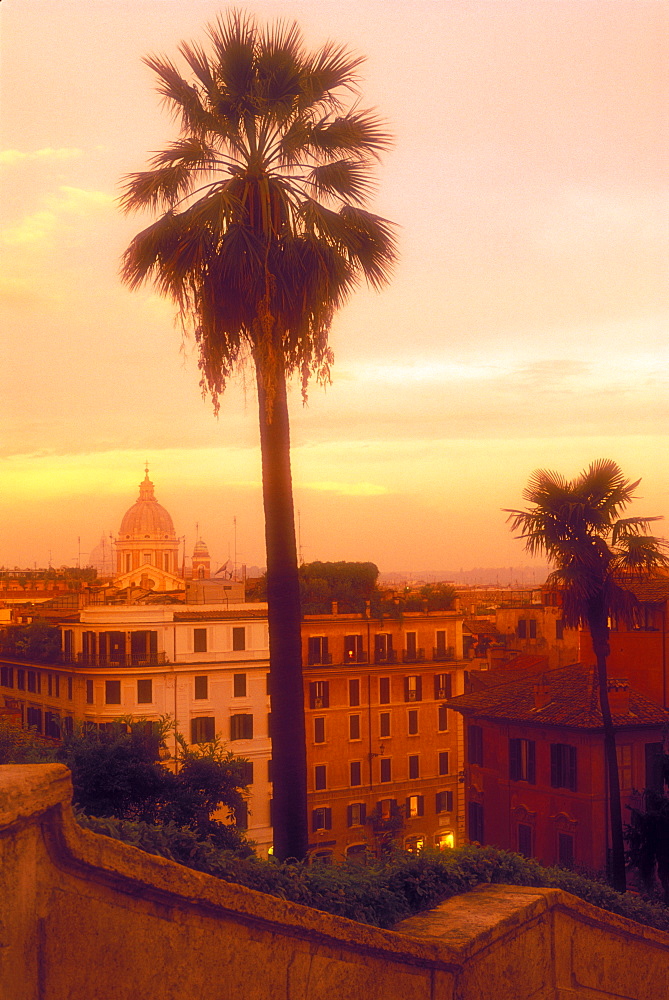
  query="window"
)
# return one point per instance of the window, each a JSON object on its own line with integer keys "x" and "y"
{"x": 356, "y": 772}
{"x": 525, "y": 840}
{"x": 384, "y": 690}
{"x": 559, "y": 628}
{"x": 201, "y": 688}
{"x": 654, "y": 762}
{"x": 563, "y": 766}
{"x": 442, "y": 841}
{"x": 318, "y": 649}
{"x": 321, "y": 819}
{"x": 246, "y": 771}
{"x": 444, "y": 802}
{"x": 267, "y": 685}
{"x": 383, "y": 648}
{"x": 112, "y": 692}
{"x": 202, "y": 730}
{"x": 34, "y": 718}
{"x": 70, "y": 686}
{"x": 353, "y": 649}
{"x": 441, "y": 647}
{"x": 56, "y": 685}
{"x": 527, "y": 627}
{"x": 443, "y": 686}
{"x": 443, "y": 762}
{"x": 522, "y": 760}
{"x": 319, "y": 729}
{"x": 414, "y": 766}
{"x": 21, "y": 679}
{"x": 239, "y": 637}
{"x": 68, "y": 643}
{"x": 521, "y": 630}
{"x": 241, "y": 727}
{"x": 7, "y": 677}
{"x": 475, "y": 745}
{"x": 356, "y": 814}
{"x": 89, "y": 692}
{"x": 384, "y": 724}
{"x": 34, "y": 684}
{"x": 414, "y": 806}
{"x": 411, "y": 646}
{"x": 128, "y": 562}
{"x": 242, "y": 815}
{"x": 239, "y": 685}
{"x": 413, "y": 722}
{"x": 52, "y": 725}
{"x": 166, "y": 562}
{"x": 354, "y": 692}
{"x": 269, "y": 724}
{"x": 413, "y": 688}
{"x": 49, "y": 685}
{"x": 387, "y": 808}
{"x": 144, "y": 692}
{"x": 475, "y": 817}
{"x": 442, "y": 719}
{"x": 322, "y": 857}
{"x": 386, "y": 769}
{"x": 319, "y": 694}
{"x": 565, "y": 850}
{"x": 199, "y": 640}
{"x": 269, "y": 769}
{"x": 533, "y": 628}
{"x": 320, "y": 777}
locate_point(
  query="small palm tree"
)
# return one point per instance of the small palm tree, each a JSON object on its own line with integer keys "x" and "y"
{"x": 577, "y": 525}
{"x": 261, "y": 237}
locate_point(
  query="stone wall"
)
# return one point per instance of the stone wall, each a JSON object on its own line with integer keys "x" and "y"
{"x": 84, "y": 917}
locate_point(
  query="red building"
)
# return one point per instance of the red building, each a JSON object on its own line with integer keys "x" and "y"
{"x": 640, "y": 650}
{"x": 535, "y": 774}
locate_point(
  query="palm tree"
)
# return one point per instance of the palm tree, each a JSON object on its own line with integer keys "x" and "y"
{"x": 262, "y": 235}
{"x": 577, "y": 525}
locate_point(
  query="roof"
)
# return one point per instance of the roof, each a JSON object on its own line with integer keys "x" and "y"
{"x": 651, "y": 591}
{"x": 572, "y": 699}
{"x": 480, "y": 626}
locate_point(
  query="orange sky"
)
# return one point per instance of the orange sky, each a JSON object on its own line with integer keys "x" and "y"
{"x": 525, "y": 325}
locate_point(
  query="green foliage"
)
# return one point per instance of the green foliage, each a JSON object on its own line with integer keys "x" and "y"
{"x": 433, "y": 596}
{"x": 647, "y": 837}
{"x": 23, "y": 746}
{"x": 381, "y": 892}
{"x": 36, "y": 643}
{"x": 350, "y": 584}
{"x": 116, "y": 773}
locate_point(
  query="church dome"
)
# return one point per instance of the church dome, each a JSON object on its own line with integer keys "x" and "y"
{"x": 147, "y": 519}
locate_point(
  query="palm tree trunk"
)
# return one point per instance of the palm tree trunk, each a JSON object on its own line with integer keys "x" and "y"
{"x": 599, "y": 632}
{"x": 289, "y": 766}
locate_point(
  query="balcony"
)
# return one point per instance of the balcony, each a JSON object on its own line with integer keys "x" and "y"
{"x": 385, "y": 656}
{"x": 351, "y": 656}
{"x": 442, "y": 653}
{"x": 413, "y": 656}
{"x": 319, "y": 659}
{"x": 116, "y": 660}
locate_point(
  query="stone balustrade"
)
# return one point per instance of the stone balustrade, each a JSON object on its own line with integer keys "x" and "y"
{"x": 84, "y": 917}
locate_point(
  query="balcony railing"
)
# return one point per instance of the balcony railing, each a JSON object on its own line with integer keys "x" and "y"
{"x": 445, "y": 653}
{"x": 119, "y": 659}
{"x": 319, "y": 659}
{"x": 350, "y": 656}
{"x": 385, "y": 656}
{"x": 414, "y": 656}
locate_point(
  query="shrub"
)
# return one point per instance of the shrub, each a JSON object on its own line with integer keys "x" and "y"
{"x": 380, "y": 893}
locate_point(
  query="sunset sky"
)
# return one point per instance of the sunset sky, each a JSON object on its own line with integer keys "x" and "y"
{"x": 525, "y": 325}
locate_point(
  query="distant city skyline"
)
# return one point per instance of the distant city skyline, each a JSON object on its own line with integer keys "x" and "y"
{"x": 525, "y": 325}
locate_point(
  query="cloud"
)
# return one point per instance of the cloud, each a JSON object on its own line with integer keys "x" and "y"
{"x": 347, "y": 489}
{"x": 10, "y": 157}
{"x": 68, "y": 204}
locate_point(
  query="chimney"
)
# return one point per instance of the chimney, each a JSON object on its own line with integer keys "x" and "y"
{"x": 335, "y": 608}
{"x": 541, "y": 695}
{"x": 619, "y": 695}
